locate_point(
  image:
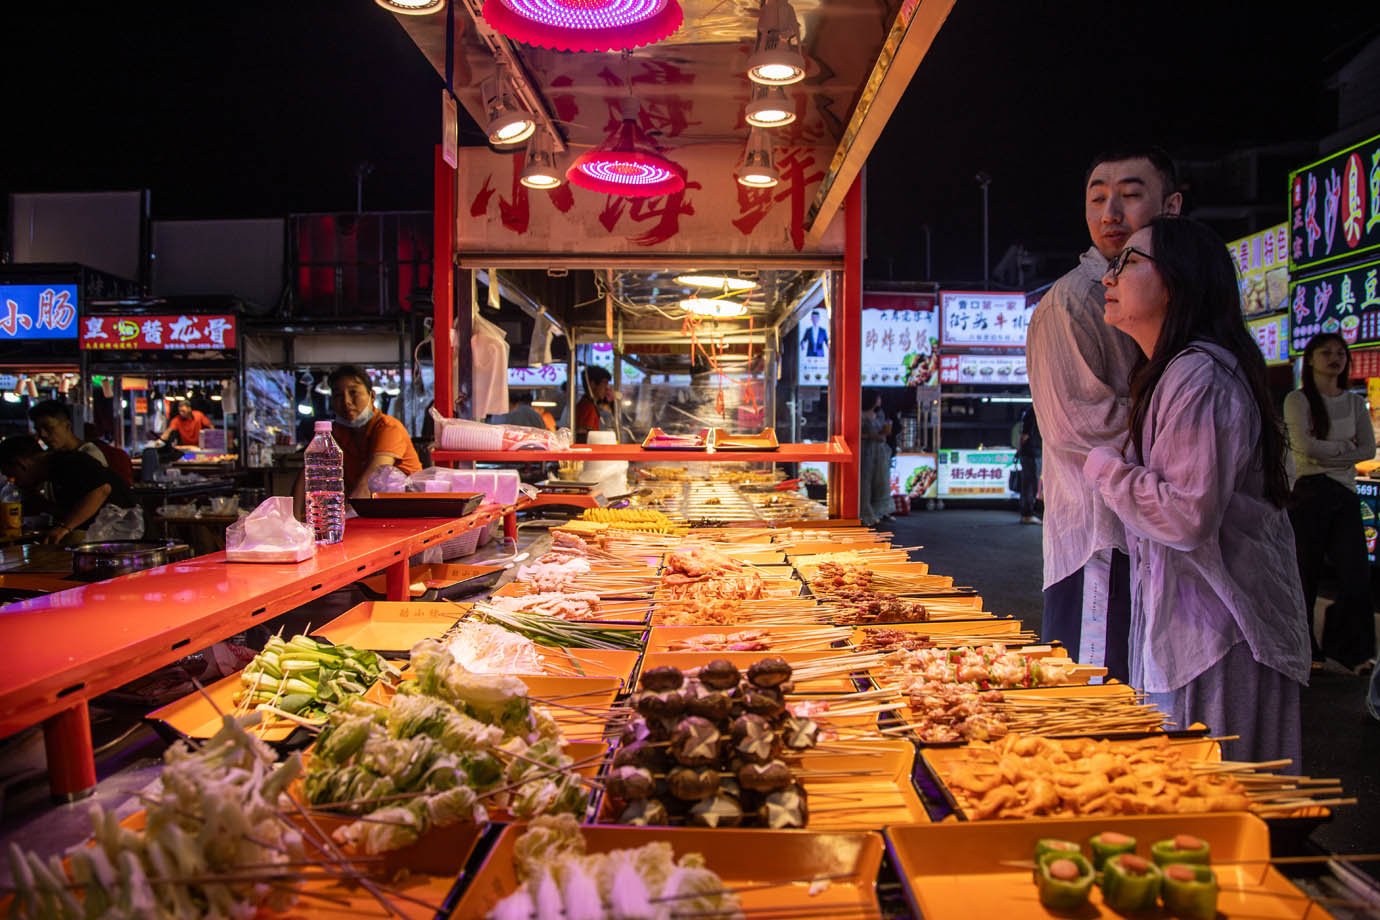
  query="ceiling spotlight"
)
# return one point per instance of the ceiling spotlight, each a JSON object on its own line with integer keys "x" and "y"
{"x": 718, "y": 283}
{"x": 769, "y": 108}
{"x": 776, "y": 59}
{"x": 506, "y": 122}
{"x": 539, "y": 166}
{"x": 412, "y": 7}
{"x": 759, "y": 167}
{"x": 719, "y": 309}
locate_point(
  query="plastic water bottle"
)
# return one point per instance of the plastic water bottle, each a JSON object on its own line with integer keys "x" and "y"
{"x": 325, "y": 476}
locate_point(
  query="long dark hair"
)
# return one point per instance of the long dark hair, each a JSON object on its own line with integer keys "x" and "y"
{"x": 1321, "y": 424}
{"x": 1205, "y": 303}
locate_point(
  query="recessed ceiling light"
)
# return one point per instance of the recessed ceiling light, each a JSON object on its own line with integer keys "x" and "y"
{"x": 719, "y": 309}
{"x": 413, "y": 7}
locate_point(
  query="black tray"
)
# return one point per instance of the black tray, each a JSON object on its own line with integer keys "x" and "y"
{"x": 419, "y": 504}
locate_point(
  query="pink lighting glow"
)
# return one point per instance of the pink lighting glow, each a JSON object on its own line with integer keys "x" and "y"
{"x": 584, "y": 25}
{"x": 627, "y": 163}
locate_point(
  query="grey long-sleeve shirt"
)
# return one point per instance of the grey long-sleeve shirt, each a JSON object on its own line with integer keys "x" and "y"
{"x": 1350, "y": 437}
{"x": 1080, "y": 371}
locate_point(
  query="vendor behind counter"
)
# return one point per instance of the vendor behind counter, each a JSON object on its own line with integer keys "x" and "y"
{"x": 67, "y": 484}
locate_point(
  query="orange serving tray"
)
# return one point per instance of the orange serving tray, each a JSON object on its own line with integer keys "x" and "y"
{"x": 435, "y": 576}
{"x": 590, "y": 662}
{"x": 687, "y": 660}
{"x": 953, "y": 871}
{"x": 722, "y": 439}
{"x": 745, "y": 859}
{"x": 391, "y": 626}
{"x": 754, "y": 556}
{"x": 660, "y": 638}
{"x": 198, "y": 715}
{"x": 863, "y": 802}
{"x": 996, "y": 629}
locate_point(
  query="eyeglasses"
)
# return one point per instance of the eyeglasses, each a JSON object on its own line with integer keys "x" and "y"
{"x": 1118, "y": 263}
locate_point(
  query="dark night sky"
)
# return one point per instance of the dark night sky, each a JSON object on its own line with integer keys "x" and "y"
{"x": 266, "y": 107}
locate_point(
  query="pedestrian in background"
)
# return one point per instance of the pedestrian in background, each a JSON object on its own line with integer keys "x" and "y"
{"x": 1329, "y": 433}
{"x": 1217, "y": 634}
{"x": 1028, "y": 450}
{"x": 874, "y": 474}
{"x": 1080, "y": 370}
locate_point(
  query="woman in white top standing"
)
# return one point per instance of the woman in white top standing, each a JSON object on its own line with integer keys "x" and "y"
{"x": 1329, "y": 433}
{"x": 1217, "y": 632}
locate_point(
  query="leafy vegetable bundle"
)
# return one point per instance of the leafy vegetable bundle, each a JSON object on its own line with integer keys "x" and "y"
{"x": 302, "y": 679}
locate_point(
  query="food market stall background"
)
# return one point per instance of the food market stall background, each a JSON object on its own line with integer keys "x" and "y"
{"x": 691, "y": 91}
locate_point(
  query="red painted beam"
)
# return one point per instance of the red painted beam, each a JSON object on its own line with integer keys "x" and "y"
{"x": 847, "y": 357}
{"x": 443, "y": 284}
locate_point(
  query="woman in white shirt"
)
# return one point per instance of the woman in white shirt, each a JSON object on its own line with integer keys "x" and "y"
{"x": 1217, "y": 633}
{"x": 1329, "y": 433}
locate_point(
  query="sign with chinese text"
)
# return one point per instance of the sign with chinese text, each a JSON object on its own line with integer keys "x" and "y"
{"x": 713, "y": 215}
{"x": 983, "y": 318}
{"x": 189, "y": 332}
{"x": 976, "y": 473}
{"x": 900, "y": 339}
{"x": 916, "y": 475}
{"x": 38, "y": 311}
{"x": 1271, "y": 333}
{"x": 983, "y": 369}
{"x": 1334, "y": 207}
{"x": 547, "y": 375}
{"x": 1346, "y": 302}
{"x": 1368, "y": 492}
{"x": 814, "y": 349}
{"x": 1262, "y": 269}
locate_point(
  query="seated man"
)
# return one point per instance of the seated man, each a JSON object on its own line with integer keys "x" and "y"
{"x": 68, "y": 484}
{"x": 52, "y": 421}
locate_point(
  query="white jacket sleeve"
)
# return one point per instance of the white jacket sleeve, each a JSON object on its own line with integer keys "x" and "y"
{"x": 1203, "y": 434}
{"x": 1070, "y": 379}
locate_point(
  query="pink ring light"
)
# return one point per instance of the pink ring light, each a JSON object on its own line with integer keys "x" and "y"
{"x": 585, "y": 25}
{"x": 627, "y": 164}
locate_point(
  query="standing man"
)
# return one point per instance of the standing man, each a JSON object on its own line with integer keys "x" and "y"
{"x": 815, "y": 339}
{"x": 1080, "y": 370}
{"x": 1028, "y": 450}
{"x": 187, "y": 424}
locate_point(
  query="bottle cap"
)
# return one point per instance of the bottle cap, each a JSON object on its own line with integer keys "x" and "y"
{"x": 320, "y": 427}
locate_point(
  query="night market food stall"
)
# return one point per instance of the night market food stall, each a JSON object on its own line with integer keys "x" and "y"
{"x": 650, "y": 718}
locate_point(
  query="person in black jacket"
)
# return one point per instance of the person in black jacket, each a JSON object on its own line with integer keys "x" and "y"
{"x": 66, "y": 483}
{"x": 1029, "y": 453}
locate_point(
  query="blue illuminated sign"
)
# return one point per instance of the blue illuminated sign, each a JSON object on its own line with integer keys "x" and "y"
{"x": 38, "y": 311}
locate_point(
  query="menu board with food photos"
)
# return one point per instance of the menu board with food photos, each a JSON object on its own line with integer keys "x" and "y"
{"x": 983, "y": 369}
{"x": 1334, "y": 207}
{"x": 1368, "y": 491}
{"x": 915, "y": 475}
{"x": 1262, "y": 268}
{"x": 900, "y": 340}
{"x": 1346, "y": 301}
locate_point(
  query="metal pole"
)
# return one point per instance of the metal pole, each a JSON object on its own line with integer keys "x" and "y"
{"x": 984, "y": 180}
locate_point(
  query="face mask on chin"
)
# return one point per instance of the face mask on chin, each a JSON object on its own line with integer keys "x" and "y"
{"x": 359, "y": 421}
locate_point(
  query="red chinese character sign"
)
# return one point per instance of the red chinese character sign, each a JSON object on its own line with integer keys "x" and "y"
{"x": 188, "y": 332}
{"x": 712, "y": 215}
{"x": 1334, "y": 206}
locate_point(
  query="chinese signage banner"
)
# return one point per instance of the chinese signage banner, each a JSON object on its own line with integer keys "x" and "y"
{"x": 1272, "y": 335}
{"x": 916, "y": 475}
{"x": 1262, "y": 269}
{"x": 38, "y": 311}
{"x": 900, "y": 340}
{"x": 547, "y": 375}
{"x": 158, "y": 333}
{"x": 983, "y": 369}
{"x": 1368, "y": 492}
{"x": 983, "y": 318}
{"x": 814, "y": 349}
{"x": 976, "y": 473}
{"x": 713, "y": 215}
{"x": 1334, "y": 207}
{"x": 1346, "y": 302}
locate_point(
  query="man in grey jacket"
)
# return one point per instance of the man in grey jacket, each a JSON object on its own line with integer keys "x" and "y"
{"x": 1080, "y": 371}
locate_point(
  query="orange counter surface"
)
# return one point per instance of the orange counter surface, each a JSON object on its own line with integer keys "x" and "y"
{"x": 65, "y": 648}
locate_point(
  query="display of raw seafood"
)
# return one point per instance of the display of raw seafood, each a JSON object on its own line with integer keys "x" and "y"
{"x": 488, "y": 649}
{"x": 578, "y": 605}
{"x": 1022, "y": 776}
{"x": 552, "y": 576}
{"x": 561, "y": 881}
{"x": 986, "y": 666}
{"x": 946, "y": 712}
{"x": 214, "y": 843}
{"x": 747, "y": 640}
{"x": 443, "y": 743}
{"x": 697, "y": 571}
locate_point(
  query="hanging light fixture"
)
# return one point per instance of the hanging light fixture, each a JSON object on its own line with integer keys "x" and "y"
{"x": 759, "y": 166}
{"x": 539, "y": 166}
{"x": 776, "y": 59}
{"x": 719, "y": 309}
{"x": 413, "y": 7}
{"x": 627, "y": 163}
{"x": 584, "y": 25}
{"x": 506, "y": 123}
{"x": 726, "y": 283}
{"x": 770, "y": 108}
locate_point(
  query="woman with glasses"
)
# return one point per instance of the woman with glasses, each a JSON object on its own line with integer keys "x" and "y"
{"x": 1217, "y": 634}
{"x": 1329, "y": 433}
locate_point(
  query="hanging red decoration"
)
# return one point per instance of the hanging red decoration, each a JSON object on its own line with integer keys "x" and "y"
{"x": 585, "y": 25}
{"x": 627, "y": 163}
